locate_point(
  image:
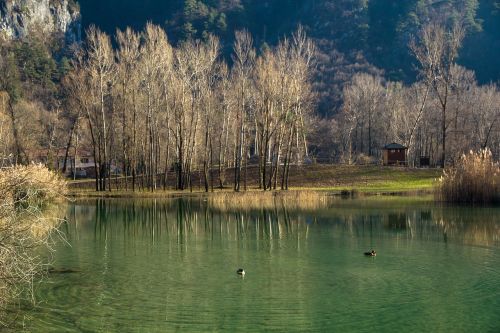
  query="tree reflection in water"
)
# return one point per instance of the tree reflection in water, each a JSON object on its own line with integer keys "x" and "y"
{"x": 180, "y": 220}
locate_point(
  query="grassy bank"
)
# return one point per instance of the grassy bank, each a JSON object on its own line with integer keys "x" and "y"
{"x": 369, "y": 179}
{"x": 332, "y": 178}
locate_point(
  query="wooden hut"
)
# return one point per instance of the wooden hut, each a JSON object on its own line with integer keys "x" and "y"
{"x": 395, "y": 154}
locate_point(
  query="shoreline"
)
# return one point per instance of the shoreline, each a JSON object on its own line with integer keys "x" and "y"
{"x": 341, "y": 180}
{"x": 173, "y": 194}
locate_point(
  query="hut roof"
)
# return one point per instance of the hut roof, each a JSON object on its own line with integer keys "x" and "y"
{"x": 394, "y": 146}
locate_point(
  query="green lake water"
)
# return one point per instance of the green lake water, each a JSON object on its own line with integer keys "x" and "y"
{"x": 170, "y": 266}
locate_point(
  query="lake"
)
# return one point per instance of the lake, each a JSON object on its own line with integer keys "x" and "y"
{"x": 169, "y": 266}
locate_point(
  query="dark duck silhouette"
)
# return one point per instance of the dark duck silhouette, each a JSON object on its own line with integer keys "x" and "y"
{"x": 241, "y": 272}
{"x": 371, "y": 254}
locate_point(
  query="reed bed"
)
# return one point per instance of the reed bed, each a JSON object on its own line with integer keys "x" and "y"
{"x": 258, "y": 200}
{"x": 28, "y": 217}
{"x": 474, "y": 179}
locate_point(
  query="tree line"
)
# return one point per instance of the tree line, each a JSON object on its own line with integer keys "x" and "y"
{"x": 160, "y": 114}
{"x": 366, "y": 32}
{"x": 149, "y": 108}
{"x": 442, "y": 115}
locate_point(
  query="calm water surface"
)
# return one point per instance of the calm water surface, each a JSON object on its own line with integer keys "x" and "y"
{"x": 168, "y": 266}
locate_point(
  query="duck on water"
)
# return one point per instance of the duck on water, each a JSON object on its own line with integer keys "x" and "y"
{"x": 241, "y": 272}
{"x": 372, "y": 253}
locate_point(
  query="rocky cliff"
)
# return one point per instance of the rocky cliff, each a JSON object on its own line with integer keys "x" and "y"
{"x": 20, "y": 18}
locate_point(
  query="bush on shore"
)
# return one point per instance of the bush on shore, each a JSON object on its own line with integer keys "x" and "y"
{"x": 26, "y": 223}
{"x": 475, "y": 179}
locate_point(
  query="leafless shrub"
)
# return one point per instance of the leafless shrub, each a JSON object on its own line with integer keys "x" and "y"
{"x": 27, "y": 220}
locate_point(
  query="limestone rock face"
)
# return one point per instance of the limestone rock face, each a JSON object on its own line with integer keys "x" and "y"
{"x": 20, "y": 18}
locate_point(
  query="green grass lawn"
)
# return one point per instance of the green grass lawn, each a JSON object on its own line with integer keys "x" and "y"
{"x": 401, "y": 184}
{"x": 335, "y": 178}
{"x": 370, "y": 179}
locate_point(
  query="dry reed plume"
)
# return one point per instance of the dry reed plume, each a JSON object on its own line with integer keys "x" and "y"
{"x": 475, "y": 178}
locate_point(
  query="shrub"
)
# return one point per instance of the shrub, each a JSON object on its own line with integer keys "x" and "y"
{"x": 26, "y": 223}
{"x": 31, "y": 186}
{"x": 475, "y": 178}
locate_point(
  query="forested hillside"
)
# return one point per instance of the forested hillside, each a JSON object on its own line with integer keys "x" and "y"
{"x": 377, "y": 31}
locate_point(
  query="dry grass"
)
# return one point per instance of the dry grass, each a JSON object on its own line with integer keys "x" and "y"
{"x": 27, "y": 219}
{"x": 258, "y": 200}
{"x": 475, "y": 179}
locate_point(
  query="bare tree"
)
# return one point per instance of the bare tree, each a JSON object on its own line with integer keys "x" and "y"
{"x": 437, "y": 50}
{"x": 127, "y": 72}
{"x": 244, "y": 62}
{"x": 301, "y": 55}
{"x": 363, "y": 99}
{"x": 100, "y": 69}
{"x": 155, "y": 54}
{"x": 485, "y": 119}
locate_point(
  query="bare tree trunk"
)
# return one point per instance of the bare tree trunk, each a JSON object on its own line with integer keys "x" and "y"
{"x": 443, "y": 138}
{"x": 70, "y": 142}
{"x": 134, "y": 143}
{"x": 19, "y": 157}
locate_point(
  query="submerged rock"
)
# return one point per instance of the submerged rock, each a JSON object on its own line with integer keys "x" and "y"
{"x": 62, "y": 271}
